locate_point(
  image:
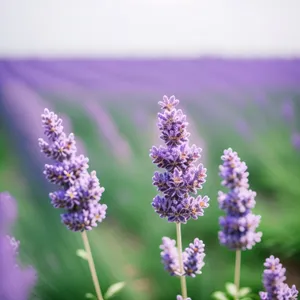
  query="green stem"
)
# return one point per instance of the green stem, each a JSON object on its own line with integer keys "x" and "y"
{"x": 237, "y": 272}
{"x": 182, "y": 277}
{"x": 91, "y": 265}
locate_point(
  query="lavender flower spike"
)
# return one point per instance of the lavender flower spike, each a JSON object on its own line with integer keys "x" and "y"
{"x": 79, "y": 191}
{"x": 239, "y": 225}
{"x": 16, "y": 282}
{"x": 178, "y": 184}
{"x": 273, "y": 280}
{"x": 181, "y": 177}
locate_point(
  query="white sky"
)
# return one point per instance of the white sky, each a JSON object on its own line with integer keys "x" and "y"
{"x": 150, "y": 28}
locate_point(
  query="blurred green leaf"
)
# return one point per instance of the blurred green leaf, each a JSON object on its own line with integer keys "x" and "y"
{"x": 82, "y": 253}
{"x": 231, "y": 289}
{"x": 90, "y": 296}
{"x": 219, "y": 296}
{"x": 113, "y": 289}
{"x": 244, "y": 291}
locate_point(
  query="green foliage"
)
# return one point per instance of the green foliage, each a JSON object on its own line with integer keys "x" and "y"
{"x": 82, "y": 254}
{"x": 114, "y": 289}
{"x": 232, "y": 293}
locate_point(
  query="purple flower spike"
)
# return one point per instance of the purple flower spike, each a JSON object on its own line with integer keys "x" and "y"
{"x": 239, "y": 225}
{"x": 178, "y": 184}
{"x": 16, "y": 282}
{"x": 273, "y": 280}
{"x": 80, "y": 191}
{"x": 182, "y": 177}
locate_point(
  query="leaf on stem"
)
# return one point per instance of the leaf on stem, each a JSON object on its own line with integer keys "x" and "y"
{"x": 113, "y": 289}
{"x": 244, "y": 291}
{"x": 82, "y": 253}
{"x": 90, "y": 296}
{"x": 231, "y": 289}
{"x": 219, "y": 296}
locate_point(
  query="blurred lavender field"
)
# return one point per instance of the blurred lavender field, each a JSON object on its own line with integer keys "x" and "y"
{"x": 252, "y": 106}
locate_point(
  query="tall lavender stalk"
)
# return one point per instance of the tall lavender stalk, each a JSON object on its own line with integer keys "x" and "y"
{"x": 177, "y": 182}
{"x": 239, "y": 224}
{"x": 79, "y": 191}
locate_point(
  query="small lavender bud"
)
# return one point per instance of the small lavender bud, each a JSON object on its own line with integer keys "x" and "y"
{"x": 52, "y": 125}
{"x": 287, "y": 293}
{"x": 169, "y": 256}
{"x": 273, "y": 280}
{"x": 233, "y": 171}
{"x": 193, "y": 258}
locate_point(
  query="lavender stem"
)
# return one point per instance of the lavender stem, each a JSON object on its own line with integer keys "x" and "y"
{"x": 182, "y": 277}
{"x": 237, "y": 272}
{"x": 91, "y": 265}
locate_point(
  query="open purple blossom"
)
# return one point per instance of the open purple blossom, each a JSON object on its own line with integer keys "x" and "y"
{"x": 16, "y": 282}
{"x": 239, "y": 225}
{"x": 274, "y": 282}
{"x": 79, "y": 191}
{"x": 182, "y": 177}
{"x": 192, "y": 257}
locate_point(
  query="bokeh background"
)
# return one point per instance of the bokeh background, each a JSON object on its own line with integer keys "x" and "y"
{"x": 103, "y": 67}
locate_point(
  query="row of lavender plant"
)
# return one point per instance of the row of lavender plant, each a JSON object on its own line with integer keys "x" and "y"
{"x": 79, "y": 194}
{"x": 238, "y": 226}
